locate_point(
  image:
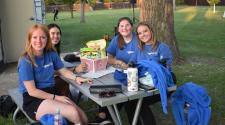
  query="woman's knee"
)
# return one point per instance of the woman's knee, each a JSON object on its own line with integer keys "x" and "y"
{"x": 71, "y": 112}
{"x": 44, "y": 108}
{"x": 75, "y": 116}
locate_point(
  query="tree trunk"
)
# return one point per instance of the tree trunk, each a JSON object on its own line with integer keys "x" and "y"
{"x": 82, "y": 7}
{"x": 159, "y": 15}
{"x": 174, "y": 5}
{"x": 71, "y": 9}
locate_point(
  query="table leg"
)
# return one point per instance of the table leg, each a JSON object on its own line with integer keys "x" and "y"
{"x": 137, "y": 111}
{"x": 113, "y": 115}
{"x": 117, "y": 114}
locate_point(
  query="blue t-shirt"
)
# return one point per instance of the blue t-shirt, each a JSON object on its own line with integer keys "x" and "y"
{"x": 42, "y": 74}
{"x": 162, "y": 52}
{"x": 126, "y": 54}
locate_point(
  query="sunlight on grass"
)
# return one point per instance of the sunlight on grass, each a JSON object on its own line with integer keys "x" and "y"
{"x": 191, "y": 11}
{"x": 209, "y": 14}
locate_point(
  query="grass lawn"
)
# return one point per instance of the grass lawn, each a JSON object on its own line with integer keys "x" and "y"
{"x": 201, "y": 38}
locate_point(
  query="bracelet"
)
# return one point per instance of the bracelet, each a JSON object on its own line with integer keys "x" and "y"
{"x": 53, "y": 97}
{"x": 75, "y": 78}
{"x": 74, "y": 70}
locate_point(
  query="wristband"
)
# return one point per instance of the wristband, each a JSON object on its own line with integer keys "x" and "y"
{"x": 53, "y": 97}
{"x": 74, "y": 70}
{"x": 75, "y": 78}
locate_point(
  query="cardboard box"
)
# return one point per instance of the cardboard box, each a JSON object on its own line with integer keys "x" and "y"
{"x": 95, "y": 65}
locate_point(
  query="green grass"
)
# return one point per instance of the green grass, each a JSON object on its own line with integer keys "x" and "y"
{"x": 98, "y": 23}
{"x": 201, "y": 38}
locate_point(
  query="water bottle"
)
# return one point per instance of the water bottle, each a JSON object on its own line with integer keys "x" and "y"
{"x": 132, "y": 78}
{"x": 58, "y": 118}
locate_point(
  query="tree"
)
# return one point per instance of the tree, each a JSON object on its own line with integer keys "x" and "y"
{"x": 159, "y": 15}
{"x": 213, "y": 3}
{"x": 70, "y": 4}
{"x": 82, "y": 6}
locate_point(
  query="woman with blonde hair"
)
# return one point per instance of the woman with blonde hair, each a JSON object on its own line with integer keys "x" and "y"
{"x": 151, "y": 48}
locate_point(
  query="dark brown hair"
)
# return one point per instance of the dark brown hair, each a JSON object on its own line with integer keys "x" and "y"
{"x": 155, "y": 43}
{"x": 57, "y": 46}
{"x": 121, "y": 41}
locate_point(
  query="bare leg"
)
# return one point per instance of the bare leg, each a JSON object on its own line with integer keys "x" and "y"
{"x": 70, "y": 112}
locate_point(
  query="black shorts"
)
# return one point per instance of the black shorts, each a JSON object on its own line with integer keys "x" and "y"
{"x": 31, "y": 104}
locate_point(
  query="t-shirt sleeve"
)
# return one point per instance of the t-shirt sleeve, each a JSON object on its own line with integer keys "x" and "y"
{"x": 165, "y": 53}
{"x": 113, "y": 46}
{"x": 25, "y": 70}
{"x": 57, "y": 62}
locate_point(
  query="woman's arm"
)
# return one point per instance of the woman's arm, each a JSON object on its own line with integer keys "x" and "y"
{"x": 80, "y": 68}
{"x": 33, "y": 91}
{"x": 69, "y": 74}
{"x": 117, "y": 63}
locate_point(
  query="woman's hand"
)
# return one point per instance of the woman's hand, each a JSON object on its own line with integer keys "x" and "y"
{"x": 81, "y": 80}
{"x": 121, "y": 64}
{"x": 63, "y": 99}
{"x": 81, "y": 68}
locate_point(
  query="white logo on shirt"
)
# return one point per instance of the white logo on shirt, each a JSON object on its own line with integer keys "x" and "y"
{"x": 48, "y": 65}
{"x": 152, "y": 53}
{"x": 130, "y": 52}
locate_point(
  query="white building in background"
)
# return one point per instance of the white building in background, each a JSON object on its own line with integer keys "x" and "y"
{"x": 16, "y": 16}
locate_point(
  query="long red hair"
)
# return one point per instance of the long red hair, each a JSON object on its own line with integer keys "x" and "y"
{"x": 28, "y": 50}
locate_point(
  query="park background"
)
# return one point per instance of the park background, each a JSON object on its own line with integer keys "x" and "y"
{"x": 200, "y": 35}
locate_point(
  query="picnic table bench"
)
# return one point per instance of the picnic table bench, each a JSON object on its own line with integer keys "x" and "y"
{"x": 18, "y": 99}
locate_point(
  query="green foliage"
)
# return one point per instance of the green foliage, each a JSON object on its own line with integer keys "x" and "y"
{"x": 212, "y": 2}
{"x": 69, "y": 1}
{"x": 179, "y": 1}
{"x": 115, "y": 1}
{"x": 107, "y": 1}
{"x": 91, "y": 2}
{"x": 49, "y": 2}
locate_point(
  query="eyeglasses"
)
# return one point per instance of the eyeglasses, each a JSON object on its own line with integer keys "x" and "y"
{"x": 105, "y": 94}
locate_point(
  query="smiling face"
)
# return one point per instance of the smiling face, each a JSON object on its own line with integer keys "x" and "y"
{"x": 144, "y": 34}
{"x": 125, "y": 28}
{"x": 55, "y": 35}
{"x": 38, "y": 41}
